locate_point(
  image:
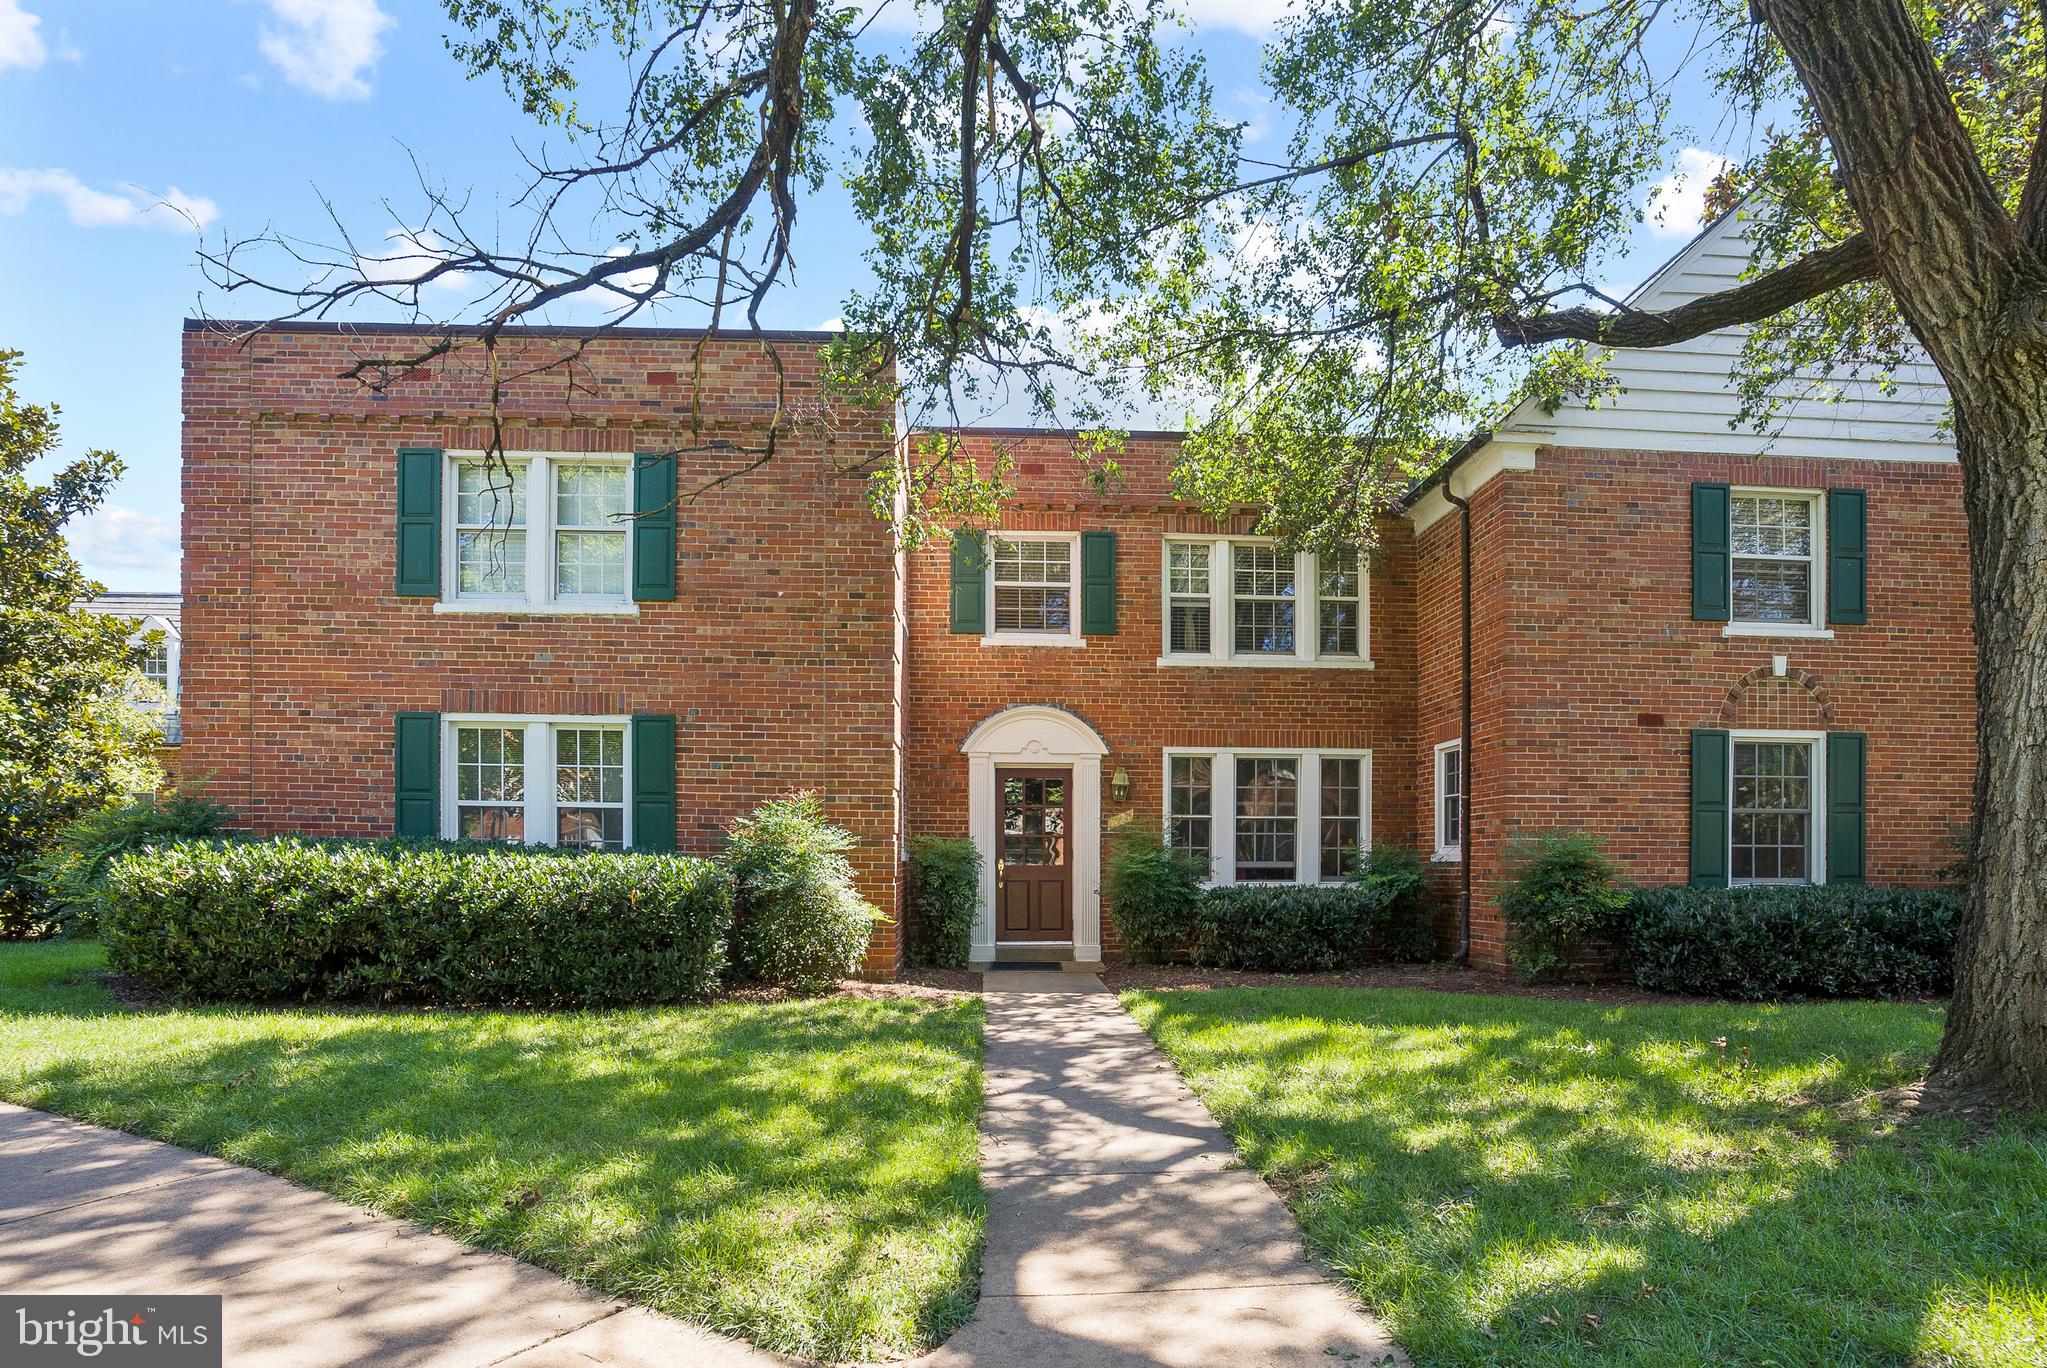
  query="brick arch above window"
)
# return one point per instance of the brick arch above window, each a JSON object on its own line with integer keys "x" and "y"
{"x": 1763, "y": 701}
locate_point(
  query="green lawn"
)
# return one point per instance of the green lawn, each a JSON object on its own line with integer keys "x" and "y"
{"x": 1515, "y": 1181}
{"x": 800, "y": 1173}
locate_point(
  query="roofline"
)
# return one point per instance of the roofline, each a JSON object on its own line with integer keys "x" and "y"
{"x": 1471, "y": 447}
{"x": 234, "y": 325}
{"x": 1134, "y": 434}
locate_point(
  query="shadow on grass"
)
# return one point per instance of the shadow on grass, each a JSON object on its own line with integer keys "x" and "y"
{"x": 1537, "y": 1182}
{"x": 801, "y": 1173}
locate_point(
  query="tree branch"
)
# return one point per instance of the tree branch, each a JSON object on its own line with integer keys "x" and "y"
{"x": 1806, "y": 278}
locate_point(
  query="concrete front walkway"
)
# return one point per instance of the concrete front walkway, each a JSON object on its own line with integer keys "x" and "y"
{"x": 305, "y": 1280}
{"x": 1120, "y": 1230}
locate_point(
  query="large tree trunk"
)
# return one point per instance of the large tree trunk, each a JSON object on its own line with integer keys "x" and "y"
{"x": 1995, "y": 1050}
{"x": 1967, "y": 281}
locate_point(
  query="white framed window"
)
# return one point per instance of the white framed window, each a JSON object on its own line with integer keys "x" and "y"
{"x": 1450, "y": 800}
{"x": 1246, "y": 601}
{"x": 536, "y": 781}
{"x": 1262, "y": 816}
{"x": 1034, "y": 589}
{"x": 1778, "y": 542}
{"x": 553, "y": 533}
{"x": 1776, "y": 823}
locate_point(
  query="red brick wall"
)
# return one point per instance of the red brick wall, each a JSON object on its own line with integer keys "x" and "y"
{"x": 1591, "y": 674}
{"x": 1115, "y": 683}
{"x": 778, "y": 657}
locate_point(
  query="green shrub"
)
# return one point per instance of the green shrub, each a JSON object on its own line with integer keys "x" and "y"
{"x": 72, "y": 872}
{"x": 945, "y": 890}
{"x": 416, "y": 921}
{"x": 1293, "y": 928}
{"x": 1769, "y": 941}
{"x": 1153, "y": 892}
{"x": 1561, "y": 890}
{"x": 798, "y": 921}
{"x": 1409, "y": 930}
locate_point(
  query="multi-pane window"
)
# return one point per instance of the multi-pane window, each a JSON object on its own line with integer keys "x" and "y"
{"x": 1034, "y": 820}
{"x": 1772, "y": 812}
{"x": 1343, "y": 815}
{"x": 592, "y": 502}
{"x": 1235, "y": 601}
{"x": 1450, "y": 798}
{"x": 1262, "y": 591}
{"x": 1033, "y": 585}
{"x": 1190, "y": 796}
{"x": 541, "y": 530}
{"x": 1260, "y": 817}
{"x": 1268, "y": 811}
{"x": 153, "y": 662}
{"x": 1338, "y": 601}
{"x": 490, "y": 783}
{"x": 1773, "y": 545}
{"x": 1188, "y": 607}
{"x": 589, "y": 786}
{"x": 499, "y": 790}
{"x": 490, "y": 528}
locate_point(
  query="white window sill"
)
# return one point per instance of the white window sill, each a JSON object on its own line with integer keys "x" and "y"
{"x": 1264, "y": 662}
{"x": 1448, "y": 855}
{"x": 1032, "y": 639}
{"x": 1792, "y": 630}
{"x": 529, "y": 609}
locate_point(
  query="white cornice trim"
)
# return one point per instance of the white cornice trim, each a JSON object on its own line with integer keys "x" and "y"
{"x": 1473, "y": 473}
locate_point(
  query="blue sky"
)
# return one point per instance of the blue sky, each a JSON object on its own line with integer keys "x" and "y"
{"x": 245, "y": 113}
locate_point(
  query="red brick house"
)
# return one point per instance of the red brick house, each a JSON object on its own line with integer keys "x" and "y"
{"x": 1735, "y": 667}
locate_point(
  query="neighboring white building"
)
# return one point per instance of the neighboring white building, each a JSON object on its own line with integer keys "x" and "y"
{"x": 154, "y": 615}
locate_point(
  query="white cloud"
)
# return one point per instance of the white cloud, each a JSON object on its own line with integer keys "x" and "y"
{"x": 1677, "y": 203}
{"x": 128, "y": 545}
{"x": 20, "y": 44}
{"x": 1253, "y": 18}
{"x": 329, "y": 47}
{"x": 130, "y": 206}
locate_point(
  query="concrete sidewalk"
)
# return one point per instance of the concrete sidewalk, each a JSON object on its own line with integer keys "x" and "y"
{"x": 1120, "y": 1230}
{"x": 305, "y": 1280}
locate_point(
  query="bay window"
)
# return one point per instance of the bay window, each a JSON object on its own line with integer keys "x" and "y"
{"x": 1270, "y": 817}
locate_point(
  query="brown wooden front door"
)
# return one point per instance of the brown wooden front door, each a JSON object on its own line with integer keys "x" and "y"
{"x": 1033, "y": 868}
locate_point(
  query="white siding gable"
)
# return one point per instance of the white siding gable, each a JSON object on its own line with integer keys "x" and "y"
{"x": 1680, "y": 398}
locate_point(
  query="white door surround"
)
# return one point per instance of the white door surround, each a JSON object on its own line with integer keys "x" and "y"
{"x": 1034, "y": 734}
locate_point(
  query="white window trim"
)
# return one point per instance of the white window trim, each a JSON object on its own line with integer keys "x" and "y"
{"x": 540, "y": 799}
{"x": 1816, "y": 829}
{"x": 1446, "y": 850}
{"x": 1222, "y": 630}
{"x": 1222, "y": 803}
{"x": 1072, "y": 636}
{"x": 170, "y": 641}
{"x": 1815, "y": 626}
{"x": 540, "y": 528}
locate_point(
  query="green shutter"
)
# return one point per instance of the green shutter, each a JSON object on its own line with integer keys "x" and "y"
{"x": 1709, "y": 806}
{"x": 653, "y": 744}
{"x": 419, "y": 522}
{"x": 1712, "y": 554}
{"x": 1847, "y": 557}
{"x": 416, "y": 751}
{"x": 1098, "y": 583}
{"x": 969, "y": 582}
{"x": 1847, "y": 777}
{"x": 653, "y": 526}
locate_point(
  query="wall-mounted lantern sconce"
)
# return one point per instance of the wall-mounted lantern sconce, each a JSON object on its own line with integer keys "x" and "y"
{"x": 1119, "y": 785}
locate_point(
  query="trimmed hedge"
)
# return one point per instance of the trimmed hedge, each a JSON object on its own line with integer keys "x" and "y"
{"x": 72, "y": 871}
{"x": 1303, "y": 928}
{"x": 416, "y": 921}
{"x": 945, "y": 888}
{"x": 1153, "y": 892}
{"x": 1837, "y": 940}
